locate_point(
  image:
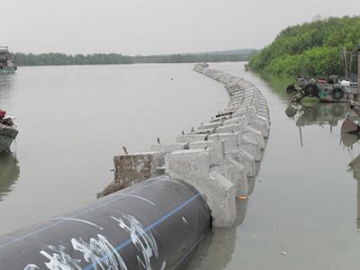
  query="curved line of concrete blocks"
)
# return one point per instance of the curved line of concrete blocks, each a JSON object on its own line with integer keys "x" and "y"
{"x": 225, "y": 153}
{"x": 220, "y": 158}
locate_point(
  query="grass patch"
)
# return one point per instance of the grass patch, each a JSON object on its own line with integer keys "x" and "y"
{"x": 310, "y": 101}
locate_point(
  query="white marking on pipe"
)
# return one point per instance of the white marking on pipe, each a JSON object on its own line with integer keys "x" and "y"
{"x": 142, "y": 198}
{"x": 80, "y": 220}
{"x": 143, "y": 241}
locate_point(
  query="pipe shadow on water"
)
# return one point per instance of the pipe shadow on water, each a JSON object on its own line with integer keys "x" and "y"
{"x": 217, "y": 249}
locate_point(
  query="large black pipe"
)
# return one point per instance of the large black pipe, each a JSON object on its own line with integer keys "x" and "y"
{"x": 153, "y": 225}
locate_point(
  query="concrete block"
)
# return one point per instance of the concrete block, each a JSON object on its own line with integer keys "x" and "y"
{"x": 236, "y": 121}
{"x": 247, "y": 110}
{"x": 205, "y": 131}
{"x": 256, "y": 134}
{"x": 216, "y": 149}
{"x": 244, "y": 158}
{"x": 230, "y": 140}
{"x": 190, "y": 164}
{"x": 261, "y": 126}
{"x": 251, "y": 146}
{"x": 210, "y": 126}
{"x": 233, "y": 171}
{"x": 266, "y": 120}
{"x": 168, "y": 148}
{"x": 191, "y": 137}
{"x": 221, "y": 200}
{"x": 231, "y": 129}
{"x": 240, "y": 183}
{"x": 137, "y": 167}
{"x": 134, "y": 168}
{"x": 193, "y": 166}
{"x": 220, "y": 119}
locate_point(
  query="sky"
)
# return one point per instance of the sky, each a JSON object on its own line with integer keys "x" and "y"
{"x": 148, "y": 27}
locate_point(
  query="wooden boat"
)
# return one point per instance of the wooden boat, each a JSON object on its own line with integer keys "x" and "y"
{"x": 8, "y": 132}
{"x": 7, "y": 135}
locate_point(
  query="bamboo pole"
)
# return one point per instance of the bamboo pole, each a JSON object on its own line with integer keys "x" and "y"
{"x": 345, "y": 63}
{"x": 358, "y": 77}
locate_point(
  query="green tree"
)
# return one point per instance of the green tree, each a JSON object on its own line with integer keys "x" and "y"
{"x": 311, "y": 48}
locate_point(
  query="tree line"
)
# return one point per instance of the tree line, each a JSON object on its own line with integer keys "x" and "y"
{"x": 45, "y": 59}
{"x": 313, "y": 49}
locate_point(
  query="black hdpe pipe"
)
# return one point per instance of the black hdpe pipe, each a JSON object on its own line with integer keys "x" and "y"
{"x": 156, "y": 224}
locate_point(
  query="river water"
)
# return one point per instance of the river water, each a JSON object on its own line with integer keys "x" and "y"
{"x": 304, "y": 208}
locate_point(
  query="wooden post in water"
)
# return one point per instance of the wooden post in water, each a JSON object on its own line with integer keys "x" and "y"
{"x": 358, "y": 72}
{"x": 345, "y": 63}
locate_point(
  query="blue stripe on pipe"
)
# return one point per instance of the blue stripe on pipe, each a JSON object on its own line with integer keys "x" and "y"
{"x": 151, "y": 226}
{"x": 62, "y": 221}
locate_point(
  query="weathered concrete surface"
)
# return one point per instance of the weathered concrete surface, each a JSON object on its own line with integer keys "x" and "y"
{"x": 134, "y": 168}
{"x": 210, "y": 126}
{"x": 137, "y": 167}
{"x": 191, "y": 137}
{"x": 216, "y": 149}
{"x": 193, "y": 166}
{"x": 230, "y": 140}
{"x": 227, "y": 166}
{"x": 244, "y": 158}
{"x": 243, "y": 126}
{"x": 168, "y": 148}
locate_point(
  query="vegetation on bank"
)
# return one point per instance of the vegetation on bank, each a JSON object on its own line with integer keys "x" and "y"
{"x": 45, "y": 59}
{"x": 311, "y": 48}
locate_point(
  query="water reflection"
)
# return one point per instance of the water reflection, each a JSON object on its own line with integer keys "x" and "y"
{"x": 330, "y": 114}
{"x": 318, "y": 114}
{"x": 348, "y": 141}
{"x": 6, "y": 84}
{"x": 217, "y": 249}
{"x": 9, "y": 173}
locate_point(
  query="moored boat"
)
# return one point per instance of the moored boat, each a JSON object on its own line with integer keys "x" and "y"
{"x": 8, "y": 132}
{"x": 6, "y": 61}
{"x": 325, "y": 90}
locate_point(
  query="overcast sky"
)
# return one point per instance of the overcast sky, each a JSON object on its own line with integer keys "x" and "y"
{"x": 147, "y": 27}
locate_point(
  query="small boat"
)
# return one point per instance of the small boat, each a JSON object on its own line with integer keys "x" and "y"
{"x": 325, "y": 90}
{"x": 6, "y": 61}
{"x": 8, "y": 132}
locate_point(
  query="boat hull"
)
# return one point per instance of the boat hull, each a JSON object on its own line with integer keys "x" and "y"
{"x": 9, "y": 70}
{"x": 349, "y": 126}
{"x": 7, "y": 136}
